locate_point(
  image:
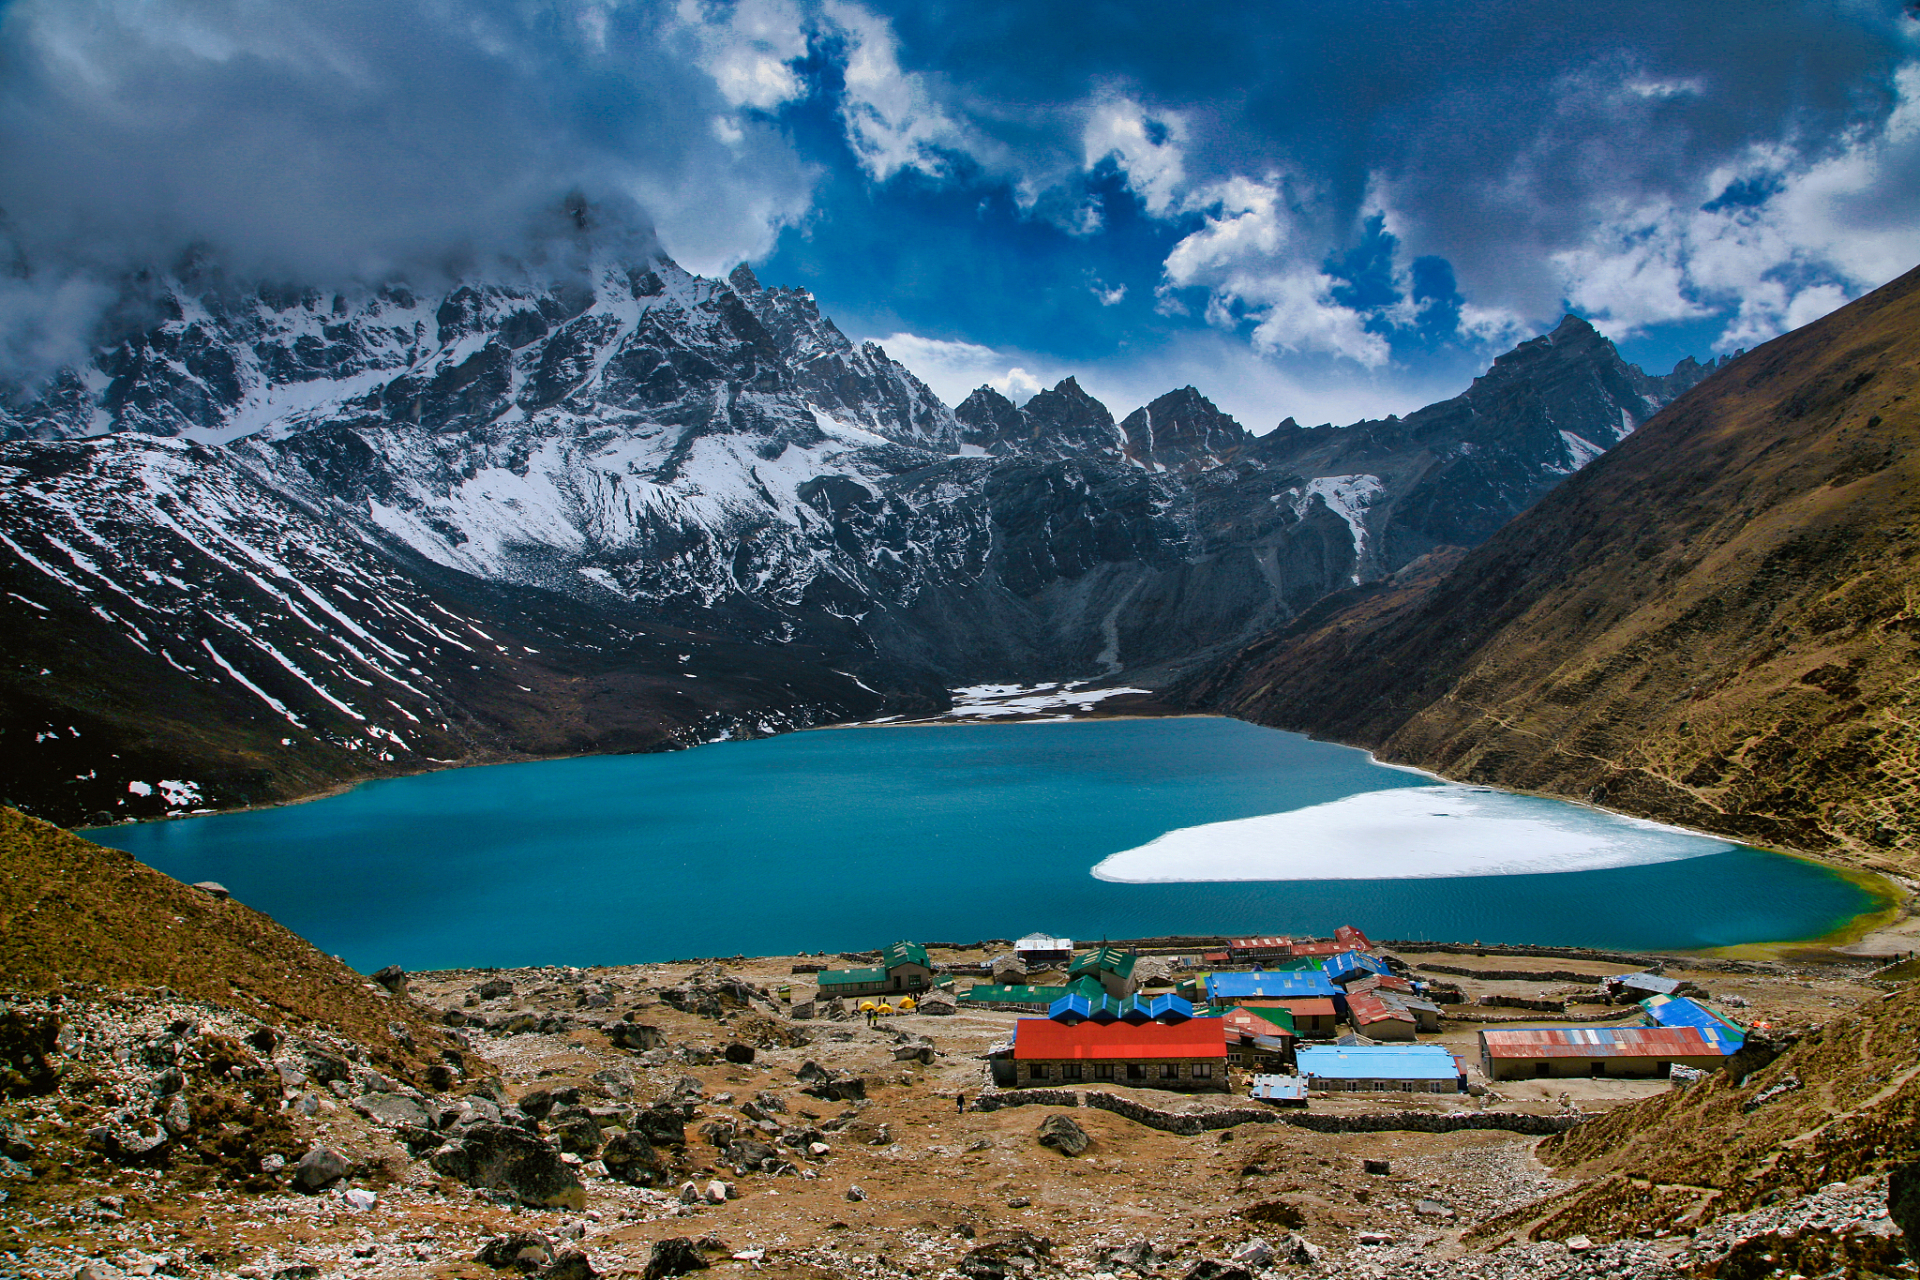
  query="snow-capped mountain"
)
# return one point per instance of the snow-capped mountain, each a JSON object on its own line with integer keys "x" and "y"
{"x": 271, "y": 538}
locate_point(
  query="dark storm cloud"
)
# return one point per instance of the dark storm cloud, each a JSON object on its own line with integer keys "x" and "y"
{"x": 339, "y": 138}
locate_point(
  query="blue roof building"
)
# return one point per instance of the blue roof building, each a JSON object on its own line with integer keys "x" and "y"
{"x": 1267, "y": 984}
{"x": 1406, "y": 1068}
{"x": 1348, "y": 966}
{"x": 1679, "y": 1011}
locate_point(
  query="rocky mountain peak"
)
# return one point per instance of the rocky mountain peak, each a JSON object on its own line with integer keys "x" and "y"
{"x": 1183, "y": 430}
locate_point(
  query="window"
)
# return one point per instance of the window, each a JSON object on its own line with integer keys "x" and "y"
{"x": 1136, "y": 1071}
{"x": 1103, "y": 1071}
{"x": 1036, "y": 1071}
{"x": 1541, "y": 1069}
{"x": 1597, "y": 1069}
{"x": 1170, "y": 1071}
{"x": 1070, "y": 1071}
{"x": 1203, "y": 1071}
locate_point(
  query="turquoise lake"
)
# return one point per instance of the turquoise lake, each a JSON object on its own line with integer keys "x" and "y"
{"x": 853, "y": 838}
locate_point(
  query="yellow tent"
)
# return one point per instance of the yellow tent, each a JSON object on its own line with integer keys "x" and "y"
{"x": 906, "y": 1004}
{"x": 886, "y": 1009}
{"x": 868, "y": 1006}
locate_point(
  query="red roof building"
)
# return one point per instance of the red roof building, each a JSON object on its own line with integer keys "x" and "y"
{"x": 1380, "y": 982}
{"x": 1187, "y": 1055}
{"x": 1349, "y": 936}
{"x": 1318, "y": 948}
{"x": 1312, "y": 1015}
{"x": 1378, "y": 1019}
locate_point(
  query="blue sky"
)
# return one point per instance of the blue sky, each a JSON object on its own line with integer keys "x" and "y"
{"x": 1327, "y": 210}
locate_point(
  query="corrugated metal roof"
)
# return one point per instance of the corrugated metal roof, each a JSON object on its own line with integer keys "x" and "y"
{"x": 1648, "y": 982}
{"x": 1345, "y": 962}
{"x": 1353, "y": 937}
{"x": 1268, "y": 943}
{"x": 1377, "y": 1062}
{"x": 1277, "y": 984}
{"x": 849, "y": 977}
{"x": 1250, "y": 1023}
{"x": 1381, "y": 982}
{"x": 1305, "y": 1007}
{"x": 1369, "y": 1009}
{"x": 1042, "y": 942}
{"x": 996, "y": 993}
{"x": 1279, "y": 1088}
{"x": 904, "y": 953}
{"x": 1605, "y": 1042}
{"x": 1318, "y": 948}
{"x": 1105, "y": 959}
{"x": 1679, "y": 1011}
{"x": 1045, "y": 1039}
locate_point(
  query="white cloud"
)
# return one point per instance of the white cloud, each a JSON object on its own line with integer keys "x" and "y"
{"x": 1777, "y": 261}
{"x": 1250, "y": 258}
{"x": 892, "y": 119}
{"x": 954, "y": 369}
{"x": 746, "y": 48}
{"x": 1148, "y": 149}
{"x": 1109, "y": 297}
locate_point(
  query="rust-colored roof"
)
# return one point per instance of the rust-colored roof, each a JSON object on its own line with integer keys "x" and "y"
{"x": 1304, "y": 1007}
{"x": 1272, "y": 943}
{"x": 1043, "y": 1038}
{"x": 1370, "y": 1008}
{"x": 1319, "y": 948}
{"x": 1352, "y": 937}
{"x": 1380, "y": 982}
{"x": 1251, "y": 1023}
{"x": 1600, "y": 1042}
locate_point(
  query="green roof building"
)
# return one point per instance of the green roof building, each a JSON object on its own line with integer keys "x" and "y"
{"x": 903, "y": 970}
{"x": 1111, "y": 967}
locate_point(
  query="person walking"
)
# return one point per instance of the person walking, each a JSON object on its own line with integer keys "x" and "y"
{"x": 961, "y": 1100}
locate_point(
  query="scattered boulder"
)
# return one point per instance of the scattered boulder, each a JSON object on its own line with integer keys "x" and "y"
{"x": 493, "y": 989}
{"x": 1020, "y": 1253}
{"x": 739, "y": 1053}
{"x": 1255, "y": 1253}
{"x": 1139, "y": 1256}
{"x": 663, "y": 1126}
{"x": 213, "y": 889}
{"x": 498, "y": 1157}
{"x": 676, "y": 1256}
{"x": 1208, "y": 1269}
{"x": 637, "y": 1036}
{"x": 572, "y": 1264}
{"x": 393, "y": 978}
{"x": 1296, "y": 1248}
{"x": 631, "y": 1158}
{"x": 1063, "y": 1134}
{"x": 319, "y": 1168}
{"x": 1379, "y": 1167}
{"x": 394, "y": 1110}
{"x": 1903, "y": 1203}
{"x": 521, "y": 1250}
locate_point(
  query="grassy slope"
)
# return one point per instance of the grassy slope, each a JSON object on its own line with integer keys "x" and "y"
{"x": 1715, "y": 623}
{"x": 75, "y": 914}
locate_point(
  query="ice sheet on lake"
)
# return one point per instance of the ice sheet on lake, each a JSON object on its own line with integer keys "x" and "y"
{"x": 1407, "y": 832}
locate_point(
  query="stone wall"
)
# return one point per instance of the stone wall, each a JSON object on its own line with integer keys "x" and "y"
{"x": 1514, "y": 975}
{"x": 1193, "y": 1122}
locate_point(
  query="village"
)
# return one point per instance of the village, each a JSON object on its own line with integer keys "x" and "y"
{"x": 1280, "y": 1019}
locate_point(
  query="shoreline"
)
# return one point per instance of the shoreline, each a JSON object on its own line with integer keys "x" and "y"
{"x": 1892, "y": 918}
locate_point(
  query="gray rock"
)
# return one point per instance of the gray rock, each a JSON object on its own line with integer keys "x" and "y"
{"x": 663, "y": 1126}
{"x": 570, "y": 1265}
{"x": 177, "y": 1117}
{"x": 1063, "y": 1134}
{"x": 579, "y": 1135}
{"x": 393, "y": 978}
{"x": 493, "y": 989}
{"x": 394, "y": 1110}
{"x": 676, "y": 1256}
{"x": 1903, "y": 1203}
{"x": 1380, "y": 1167}
{"x": 739, "y": 1053}
{"x": 632, "y": 1159}
{"x": 498, "y": 1157}
{"x": 521, "y": 1250}
{"x": 213, "y": 889}
{"x": 318, "y": 1168}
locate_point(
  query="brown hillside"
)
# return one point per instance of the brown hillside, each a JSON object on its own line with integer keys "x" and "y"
{"x": 75, "y": 914}
{"x": 1842, "y": 1103}
{"x": 1715, "y": 623}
